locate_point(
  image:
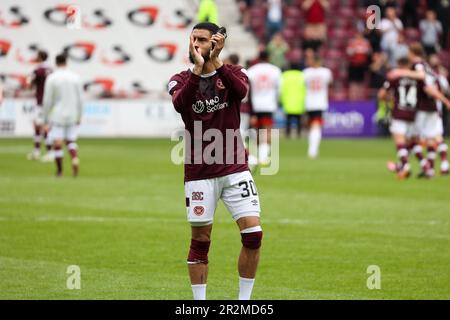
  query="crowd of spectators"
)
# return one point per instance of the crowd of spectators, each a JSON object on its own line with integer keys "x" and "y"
{"x": 358, "y": 56}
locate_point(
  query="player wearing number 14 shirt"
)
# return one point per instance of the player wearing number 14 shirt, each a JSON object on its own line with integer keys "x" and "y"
{"x": 208, "y": 97}
{"x": 405, "y": 92}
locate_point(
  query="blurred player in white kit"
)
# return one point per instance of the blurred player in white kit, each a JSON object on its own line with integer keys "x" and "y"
{"x": 317, "y": 80}
{"x": 265, "y": 81}
{"x": 63, "y": 108}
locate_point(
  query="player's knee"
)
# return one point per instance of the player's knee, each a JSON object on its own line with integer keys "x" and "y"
{"x": 57, "y": 144}
{"x": 72, "y": 145}
{"x": 198, "y": 252}
{"x": 252, "y": 237}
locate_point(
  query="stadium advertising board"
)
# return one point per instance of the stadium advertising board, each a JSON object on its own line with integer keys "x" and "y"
{"x": 351, "y": 119}
{"x": 101, "y": 118}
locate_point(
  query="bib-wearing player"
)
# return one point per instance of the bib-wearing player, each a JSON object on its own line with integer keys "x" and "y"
{"x": 317, "y": 79}
{"x": 63, "y": 107}
{"x": 208, "y": 97}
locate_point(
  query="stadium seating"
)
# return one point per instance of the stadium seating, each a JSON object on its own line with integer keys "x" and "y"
{"x": 341, "y": 20}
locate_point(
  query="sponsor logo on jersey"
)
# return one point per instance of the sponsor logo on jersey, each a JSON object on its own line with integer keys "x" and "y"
{"x": 198, "y": 106}
{"x": 211, "y": 105}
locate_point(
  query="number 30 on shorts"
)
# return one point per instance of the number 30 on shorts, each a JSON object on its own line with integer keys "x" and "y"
{"x": 247, "y": 188}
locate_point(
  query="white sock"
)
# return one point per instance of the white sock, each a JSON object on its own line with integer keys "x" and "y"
{"x": 263, "y": 152}
{"x": 315, "y": 135}
{"x": 444, "y": 166}
{"x": 252, "y": 160}
{"x": 199, "y": 291}
{"x": 245, "y": 288}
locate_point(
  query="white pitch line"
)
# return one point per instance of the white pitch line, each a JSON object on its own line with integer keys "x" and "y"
{"x": 221, "y": 220}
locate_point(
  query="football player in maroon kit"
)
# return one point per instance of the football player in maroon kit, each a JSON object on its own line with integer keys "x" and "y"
{"x": 208, "y": 97}
{"x": 442, "y": 147}
{"x": 402, "y": 127}
{"x": 37, "y": 82}
{"x": 427, "y": 118}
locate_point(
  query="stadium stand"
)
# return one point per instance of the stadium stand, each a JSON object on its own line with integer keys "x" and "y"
{"x": 116, "y": 46}
{"x": 344, "y": 19}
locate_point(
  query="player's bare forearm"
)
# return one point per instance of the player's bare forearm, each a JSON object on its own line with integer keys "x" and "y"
{"x": 217, "y": 62}
{"x": 436, "y": 94}
{"x": 398, "y": 73}
{"x": 416, "y": 75}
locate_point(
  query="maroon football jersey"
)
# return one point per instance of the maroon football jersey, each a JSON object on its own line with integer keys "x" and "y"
{"x": 211, "y": 102}
{"x": 39, "y": 76}
{"x": 405, "y": 97}
{"x": 425, "y": 102}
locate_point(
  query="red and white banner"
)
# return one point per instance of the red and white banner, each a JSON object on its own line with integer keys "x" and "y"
{"x": 122, "y": 49}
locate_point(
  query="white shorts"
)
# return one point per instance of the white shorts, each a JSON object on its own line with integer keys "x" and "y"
{"x": 428, "y": 124}
{"x": 237, "y": 191}
{"x": 405, "y": 128}
{"x": 38, "y": 116}
{"x": 69, "y": 133}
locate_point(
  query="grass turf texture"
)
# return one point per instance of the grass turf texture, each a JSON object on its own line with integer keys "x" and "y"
{"x": 123, "y": 222}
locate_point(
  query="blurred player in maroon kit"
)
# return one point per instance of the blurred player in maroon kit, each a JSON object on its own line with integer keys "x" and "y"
{"x": 403, "y": 116}
{"x": 40, "y": 130}
{"x": 427, "y": 118}
{"x": 208, "y": 97}
{"x": 442, "y": 147}
{"x": 428, "y": 121}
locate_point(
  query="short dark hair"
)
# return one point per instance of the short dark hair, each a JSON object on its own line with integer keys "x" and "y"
{"x": 264, "y": 55}
{"x": 42, "y": 55}
{"x": 61, "y": 59}
{"x": 417, "y": 49}
{"x": 403, "y": 61}
{"x": 211, "y": 27}
{"x": 234, "y": 58}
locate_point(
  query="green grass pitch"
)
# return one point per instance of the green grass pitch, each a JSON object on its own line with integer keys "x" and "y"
{"x": 123, "y": 222}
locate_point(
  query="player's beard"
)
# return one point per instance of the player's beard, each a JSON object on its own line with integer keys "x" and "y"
{"x": 205, "y": 56}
